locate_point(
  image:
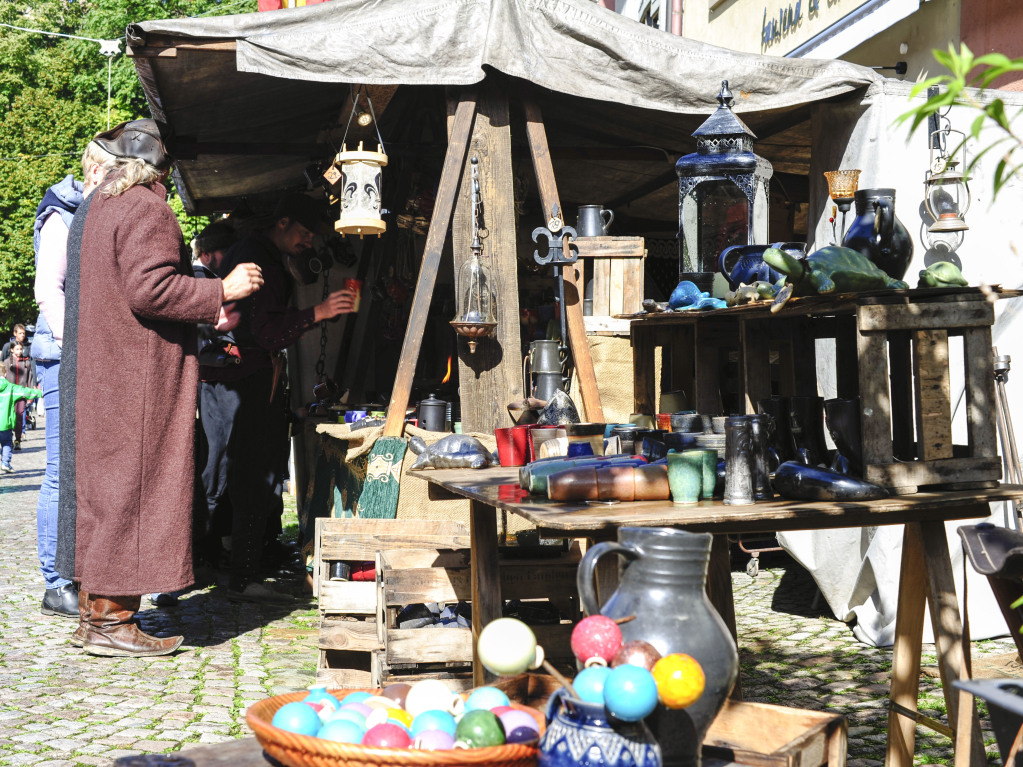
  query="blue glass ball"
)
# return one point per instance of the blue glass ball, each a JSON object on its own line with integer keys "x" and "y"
{"x": 319, "y": 693}
{"x": 630, "y": 693}
{"x": 297, "y": 717}
{"x": 433, "y": 720}
{"x": 486, "y": 698}
{"x": 589, "y": 683}
{"x": 341, "y": 731}
{"x": 355, "y": 697}
{"x": 348, "y": 715}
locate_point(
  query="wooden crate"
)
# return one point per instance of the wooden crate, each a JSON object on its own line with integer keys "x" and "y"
{"x": 360, "y": 644}
{"x": 617, "y": 264}
{"x": 763, "y": 735}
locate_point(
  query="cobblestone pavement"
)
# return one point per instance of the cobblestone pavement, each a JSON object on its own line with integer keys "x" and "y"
{"x": 60, "y": 707}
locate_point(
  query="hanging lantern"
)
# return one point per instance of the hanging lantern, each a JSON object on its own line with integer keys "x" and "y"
{"x": 842, "y": 185}
{"x": 360, "y": 191}
{"x": 946, "y": 193}
{"x": 475, "y": 286}
{"x": 723, "y": 195}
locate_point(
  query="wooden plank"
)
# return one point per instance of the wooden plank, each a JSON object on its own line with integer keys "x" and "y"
{"x": 876, "y": 413}
{"x": 948, "y": 639}
{"x": 487, "y": 602}
{"x": 402, "y": 559}
{"x": 634, "y": 287}
{"x": 900, "y": 372}
{"x": 922, "y": 473}
{"x": 348, "y": 635}
{"x": 754, "y": 362}
{"x": 920, "y": 316}
{"x": 601, "y": 287}
{"x": 909, "y": 628}
{"x": 354, "y": 526}
{"x": 616, "y": 290}
{"x": 607, "y": 326}
{"x": 454, "y": 680}
{"x": 611, "y": 247}
{"x": 449, "y": 584}
{"x": 429, "y": 645}
{"x": 490, "y": 377}
{"x": 980, "y": 392}
{"x": 932, "y": 395}
{"x": 447, "y": 188}
{"x": 644, "y": 386}
{"x": 707, "y": 374}
{"x": 846, "y": 364}
{"x": 319, "y": 564}
{"x": 345, "y": 678}
{"x": 349, "y": 597}
{"x": 551, "y": 205}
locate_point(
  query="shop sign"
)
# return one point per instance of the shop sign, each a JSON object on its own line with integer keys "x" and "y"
{"x": 786, "y": 21}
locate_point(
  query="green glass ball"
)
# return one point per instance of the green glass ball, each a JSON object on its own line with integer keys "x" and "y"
{"x": 479, "y": 729}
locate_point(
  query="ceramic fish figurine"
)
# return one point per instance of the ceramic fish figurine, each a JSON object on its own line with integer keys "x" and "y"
{"x": 558, "y": 411}
{"x": 833, "y": 269}
{"x": 455, "y": 451}
{"x": 799, "y": 482}
{"x": 685, "y": 294}
{"x": 704, "y": 303}
{"x": 941, "y": 274}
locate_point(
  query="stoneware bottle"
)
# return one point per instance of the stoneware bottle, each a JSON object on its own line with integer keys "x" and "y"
{"x": 663, "y": 585}
{"x": 580, "y": 733}
{"x": 878, "y": 234}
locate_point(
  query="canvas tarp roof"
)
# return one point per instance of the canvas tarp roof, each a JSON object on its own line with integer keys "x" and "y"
{"x": 233, "y": 85}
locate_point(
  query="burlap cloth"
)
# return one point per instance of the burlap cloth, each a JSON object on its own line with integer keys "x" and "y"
{"x": 415, "y": 498}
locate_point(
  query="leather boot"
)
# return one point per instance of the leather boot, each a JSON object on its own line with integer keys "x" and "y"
{"x": 78, "y": 638}
{"x": 112, "y": 633}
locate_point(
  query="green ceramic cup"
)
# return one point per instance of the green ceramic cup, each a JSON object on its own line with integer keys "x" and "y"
{"x": 685, "y": 476}
{"x": 710, "y": 472}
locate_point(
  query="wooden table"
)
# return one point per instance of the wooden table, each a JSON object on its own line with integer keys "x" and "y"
{"x": 924, "y": 553}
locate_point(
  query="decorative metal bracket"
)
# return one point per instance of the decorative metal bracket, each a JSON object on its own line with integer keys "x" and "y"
{"x": 556, "y": 257}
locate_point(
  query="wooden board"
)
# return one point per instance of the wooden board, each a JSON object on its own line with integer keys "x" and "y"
{"x": 611, "y": 247}
{"x": 601, "y": 287}
{"x": 932, "y": 396}
{"x": 616, "y": 298}
{"x": 349, "y": 597}
{"x": 938, "y": 316}
{"x": 532, "y": 580}
{"x": 338, "y": 634}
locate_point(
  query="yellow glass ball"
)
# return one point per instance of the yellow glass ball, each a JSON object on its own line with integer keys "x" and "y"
{"x": 680, "y": 680}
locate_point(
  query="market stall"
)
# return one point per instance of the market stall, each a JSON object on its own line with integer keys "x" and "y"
{"x": 564, "y": 104}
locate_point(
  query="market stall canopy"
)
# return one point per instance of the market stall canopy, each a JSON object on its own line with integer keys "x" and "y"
{"x": 273, "y": 86}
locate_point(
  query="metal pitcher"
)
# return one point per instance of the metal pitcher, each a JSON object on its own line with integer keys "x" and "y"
{"x": 594, "y": 220}
{"x": 546, "y": 362}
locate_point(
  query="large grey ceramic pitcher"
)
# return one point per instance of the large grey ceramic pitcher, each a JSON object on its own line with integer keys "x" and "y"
{"x": 663, "y": 584}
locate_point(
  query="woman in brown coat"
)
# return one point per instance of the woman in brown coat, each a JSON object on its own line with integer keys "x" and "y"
{"x": 135, "y": 382}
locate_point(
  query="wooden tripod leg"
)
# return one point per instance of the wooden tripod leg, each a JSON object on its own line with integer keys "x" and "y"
{"x": 545, "y": 182}
{"x": 450, "y": 177}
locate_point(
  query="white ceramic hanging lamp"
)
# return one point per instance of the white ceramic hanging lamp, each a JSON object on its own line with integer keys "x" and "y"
{"x": 360, "y": 191}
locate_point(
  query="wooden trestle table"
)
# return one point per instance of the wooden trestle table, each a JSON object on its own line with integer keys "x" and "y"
{"x": 926, "y": 570}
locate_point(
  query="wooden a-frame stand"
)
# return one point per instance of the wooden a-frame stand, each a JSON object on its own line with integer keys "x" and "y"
{"x": 461, "y": 134}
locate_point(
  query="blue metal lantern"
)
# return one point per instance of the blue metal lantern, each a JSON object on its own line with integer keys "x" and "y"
{"x": 723, "y": 192}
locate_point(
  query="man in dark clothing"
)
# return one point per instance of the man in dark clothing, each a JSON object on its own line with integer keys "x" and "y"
{"x": 242, "y": 405}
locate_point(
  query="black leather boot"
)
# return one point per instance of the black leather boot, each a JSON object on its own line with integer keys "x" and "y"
{"x": 62, "y": 601}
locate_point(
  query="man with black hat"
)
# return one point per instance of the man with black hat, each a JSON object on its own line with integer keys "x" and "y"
{"x": 243, "y": 409}
{"x": 125, "y": 482}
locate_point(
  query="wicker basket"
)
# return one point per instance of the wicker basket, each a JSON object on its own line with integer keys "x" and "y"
{"x": 306, "y": 751}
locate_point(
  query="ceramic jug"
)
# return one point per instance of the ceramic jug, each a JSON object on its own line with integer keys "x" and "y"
{"x": 663, "y": 585}
{"x": 878, "y": 234}
{"x": 432, "y": 413}
{"x": 580, "y": 733}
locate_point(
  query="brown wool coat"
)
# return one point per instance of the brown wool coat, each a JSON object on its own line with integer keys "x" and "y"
{"x": 136, "y": 380}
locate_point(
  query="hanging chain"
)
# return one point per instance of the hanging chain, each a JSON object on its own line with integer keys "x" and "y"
{"x": 321, "y": 362}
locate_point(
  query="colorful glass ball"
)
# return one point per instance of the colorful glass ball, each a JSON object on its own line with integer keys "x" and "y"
{"x": 297, "y": 717}
{"x": 479, "y": 729}
{"x": 486, "y": 698}
{"x": 589, "y": 683}
{"x": 630, "y": 693}
{"x": 596, "y": 636}
{"x": 387, "y": 735}
{"x": 341, "y": 731}
{"x": 506, "y": 646}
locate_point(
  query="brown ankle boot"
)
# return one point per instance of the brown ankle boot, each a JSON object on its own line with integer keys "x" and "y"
{"x": 111, "y": 631}
{"x": 78, "y": 638}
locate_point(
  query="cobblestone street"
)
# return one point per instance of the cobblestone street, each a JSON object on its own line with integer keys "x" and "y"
{"x": 60, "y": 707}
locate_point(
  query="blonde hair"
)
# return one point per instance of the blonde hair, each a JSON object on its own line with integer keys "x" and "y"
{"x": 3, "y": 370}
{"x": 94, "y": 154}
{"x": 128, "y": 172}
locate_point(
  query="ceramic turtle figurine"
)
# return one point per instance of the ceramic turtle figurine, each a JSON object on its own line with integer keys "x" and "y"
{"x": 833, "y": 269}
{"x": 455, "y": 451}
{"x": 942, "y": 274}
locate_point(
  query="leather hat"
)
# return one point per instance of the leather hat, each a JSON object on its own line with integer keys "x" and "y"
{"x": 313, "y": 214}
{"x": 136, "y": 138}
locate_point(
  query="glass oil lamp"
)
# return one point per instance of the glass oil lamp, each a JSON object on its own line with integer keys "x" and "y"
{"x": 946, "y": 193}
{"x": 842, "y": 186}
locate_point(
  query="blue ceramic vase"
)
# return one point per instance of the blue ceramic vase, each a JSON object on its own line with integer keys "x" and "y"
{"x": 583, "y": 735}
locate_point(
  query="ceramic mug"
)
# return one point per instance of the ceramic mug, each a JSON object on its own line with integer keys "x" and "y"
{"x": 511, "y": 445}
{"x": 685, "y": 476}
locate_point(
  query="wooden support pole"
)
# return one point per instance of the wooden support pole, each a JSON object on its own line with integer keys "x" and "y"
{"x": 490, "y": 377}
{"x": 548, "y": 188}
{"x": 445, "y": 203}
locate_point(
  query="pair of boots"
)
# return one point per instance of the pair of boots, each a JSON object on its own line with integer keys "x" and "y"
{"x": 107, "y": 626}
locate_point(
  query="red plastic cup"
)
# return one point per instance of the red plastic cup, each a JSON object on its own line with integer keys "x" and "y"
{"x": 511, "y": 445}
{"x": 356, "y": 287}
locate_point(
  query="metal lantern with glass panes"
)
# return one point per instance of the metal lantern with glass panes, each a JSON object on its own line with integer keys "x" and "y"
{"x": 360, "y": 191}
{"x": 475, "y": 287}
{"x": 722, "y": 195}
{"x": 946, "y": 193}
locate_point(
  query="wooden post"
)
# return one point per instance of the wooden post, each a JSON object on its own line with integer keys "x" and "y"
{"x": 445, "y": 203}
{"x": 573, "y": 274}
{"x": 491, "y": 377}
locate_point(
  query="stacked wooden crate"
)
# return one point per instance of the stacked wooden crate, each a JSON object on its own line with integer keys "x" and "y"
{"x": 417, "y": 561}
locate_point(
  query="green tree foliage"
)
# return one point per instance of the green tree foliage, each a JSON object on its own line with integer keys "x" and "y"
{"x": 965, "y": 72}
{"x": 53, "y": 99}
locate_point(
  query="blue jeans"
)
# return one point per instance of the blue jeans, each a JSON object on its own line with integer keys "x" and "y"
{"x": 6, "y": 446}
{"x": 46, "y": 511}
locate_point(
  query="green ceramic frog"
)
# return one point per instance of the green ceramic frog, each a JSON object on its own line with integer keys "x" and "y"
{"x": 833, "y": 269}
{"x": 941, "y": 274}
